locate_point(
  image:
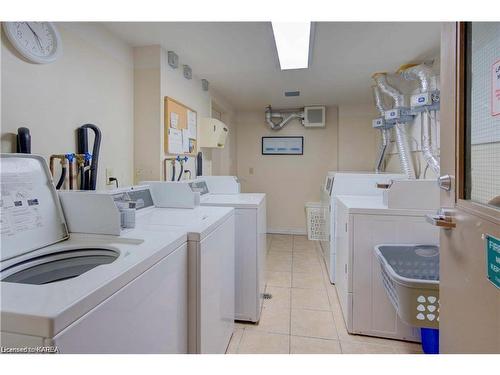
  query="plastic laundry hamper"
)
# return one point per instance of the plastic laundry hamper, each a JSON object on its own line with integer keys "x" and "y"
{"x": 410, "y": 274}
{"x": 316, "y": 221}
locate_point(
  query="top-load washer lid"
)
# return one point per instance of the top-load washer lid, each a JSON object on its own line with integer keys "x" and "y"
{"x": 31, "y": 215}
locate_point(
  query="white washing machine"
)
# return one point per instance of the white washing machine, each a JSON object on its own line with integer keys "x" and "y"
{"x": 362, "y": 223}
{"x": 83, "y": 293}
{"x": 251, "y": 229}
{"x": 346, "y": 183}
{"x": 211, "y": 248}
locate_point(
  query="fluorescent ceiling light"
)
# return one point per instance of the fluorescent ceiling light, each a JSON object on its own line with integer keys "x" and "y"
{"x": 292, "y": 43}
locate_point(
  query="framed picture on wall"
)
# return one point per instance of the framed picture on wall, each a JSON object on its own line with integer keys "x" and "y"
{"x": 282, "y": 145}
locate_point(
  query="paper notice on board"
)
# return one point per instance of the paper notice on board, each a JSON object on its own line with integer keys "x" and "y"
{"x": 185, "y": 140}
{"x": 174, "y": 120}
{"x": 175, "y": 141}
{"x": 495, "y": 89}
{"x": 191, "y": 123}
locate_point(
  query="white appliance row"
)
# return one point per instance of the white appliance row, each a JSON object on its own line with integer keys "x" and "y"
{"x": 250, "y": 232}
{"x": 166, "y": 286}
{"x": 84, "y": 293}
{"x": 365, "y": 210}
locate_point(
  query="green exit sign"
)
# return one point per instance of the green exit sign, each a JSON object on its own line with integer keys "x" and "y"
{"x": 493, "y": 260}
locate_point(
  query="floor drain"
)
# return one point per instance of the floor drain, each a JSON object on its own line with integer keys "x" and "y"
{"x": 267, "y": 296}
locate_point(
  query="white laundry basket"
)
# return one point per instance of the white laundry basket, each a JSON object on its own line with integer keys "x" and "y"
{"x": 410, "y": 274}
{"x": 316, "y": 221}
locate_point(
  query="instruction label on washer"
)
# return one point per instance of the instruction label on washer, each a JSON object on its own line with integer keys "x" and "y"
{"x": 493, "y": 260}
{"x": 18, "y": 207}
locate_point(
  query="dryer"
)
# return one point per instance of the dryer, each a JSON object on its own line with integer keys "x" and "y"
{"x": 211, "y": 249}
{"x": 81, "y": 293}
{"x": 346, "y": 183}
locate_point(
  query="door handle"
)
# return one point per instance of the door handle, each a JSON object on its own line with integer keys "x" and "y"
{"x": 445, "y": 182}
{"x": 445, "y": 222}
{"x": 443, "y": 219}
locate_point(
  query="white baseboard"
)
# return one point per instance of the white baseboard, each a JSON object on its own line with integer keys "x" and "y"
{"x": 297, "y": 231}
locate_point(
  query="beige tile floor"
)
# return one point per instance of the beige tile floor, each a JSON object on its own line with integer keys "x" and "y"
{"x": 303, "y": 316}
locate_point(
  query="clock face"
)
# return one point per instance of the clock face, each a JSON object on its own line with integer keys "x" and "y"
{"x": 38, "y": 42}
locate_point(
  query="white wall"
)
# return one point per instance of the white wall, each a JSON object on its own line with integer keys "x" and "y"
{"x": 358, "y": 141}
{"x": 224, "y": 161}
{"x": 288, "y": 180}
{"x": 155, "y": 79}
{"x": 189, "y": 93}
{"x": 92, "y": 82}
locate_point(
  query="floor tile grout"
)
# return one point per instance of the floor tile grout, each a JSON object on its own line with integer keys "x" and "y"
{"x": 310, "y": 252}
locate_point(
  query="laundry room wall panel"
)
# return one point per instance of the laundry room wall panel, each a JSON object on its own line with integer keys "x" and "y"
{"x": 147, "y": 113}
{"x": 224, "y": 160}
{"x": 92, "y": 82}
{"x": 288, "y": 180}
{"x": 358, "y": 141}
{"x": 154, "y": 80}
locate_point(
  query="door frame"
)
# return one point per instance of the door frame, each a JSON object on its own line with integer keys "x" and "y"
{"x": 453, "y": 85}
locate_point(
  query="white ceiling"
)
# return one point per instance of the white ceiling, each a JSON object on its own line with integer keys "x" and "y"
{"x": 239, "y": 58}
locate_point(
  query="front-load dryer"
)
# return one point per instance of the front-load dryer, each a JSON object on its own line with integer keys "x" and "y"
{"x": 80, "y": 293}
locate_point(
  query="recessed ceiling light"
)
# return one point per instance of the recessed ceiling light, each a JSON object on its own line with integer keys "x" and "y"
{"x": 292, "y": 44}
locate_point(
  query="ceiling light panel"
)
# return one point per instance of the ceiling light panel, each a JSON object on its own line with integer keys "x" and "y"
{"x": 292, "y": 43}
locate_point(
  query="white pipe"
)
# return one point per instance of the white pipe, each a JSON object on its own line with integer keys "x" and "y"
{"x": 397, "y": 97}
{"x": 404, "y": 151}
{"x": 423, "y": 73}
{"x": 385, "y": 134}
{"x": 427, "y": 151}
{"x": 401, "y": 137}
{"x": 283, "y": 121}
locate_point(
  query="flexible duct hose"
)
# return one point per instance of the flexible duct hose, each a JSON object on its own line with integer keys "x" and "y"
{"x": 397, "y": 97}
{"x": 384, "y": 133}
{"x": 427, "y": 152}
{"x": 173, "y": 170}
{"x": 404, "y": 152}
{"x": 423, "y": 73}
{"x": 91, "y": 181}
{"x": 182, "y": 170}
{"x": 401, "y": 137}
{"x": 62, "y": 178}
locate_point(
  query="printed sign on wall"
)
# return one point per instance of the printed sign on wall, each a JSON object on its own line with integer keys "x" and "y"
{"x": 495, "y": 89}
{"x": 493, "y": 260}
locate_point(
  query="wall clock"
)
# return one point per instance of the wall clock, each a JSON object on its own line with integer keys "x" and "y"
{"x": 38, "y": 42}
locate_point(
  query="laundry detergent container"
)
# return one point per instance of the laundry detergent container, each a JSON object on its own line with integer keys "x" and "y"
{"x": 410, "y": 275}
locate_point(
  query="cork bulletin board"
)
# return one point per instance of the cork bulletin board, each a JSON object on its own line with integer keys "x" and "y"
{"x": 180, "y": 125}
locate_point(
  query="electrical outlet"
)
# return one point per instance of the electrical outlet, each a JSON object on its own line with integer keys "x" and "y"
{"x": 109, "y": 173}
